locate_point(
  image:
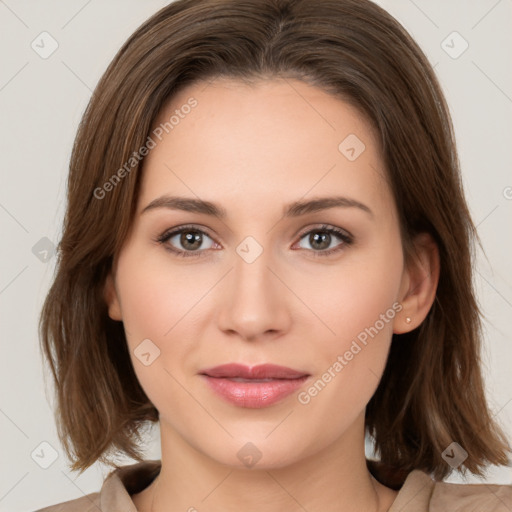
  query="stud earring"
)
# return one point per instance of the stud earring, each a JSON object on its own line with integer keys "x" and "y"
{"x": 407, "y": 319}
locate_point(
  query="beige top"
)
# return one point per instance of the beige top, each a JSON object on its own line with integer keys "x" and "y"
{"x": 419, "y": 493}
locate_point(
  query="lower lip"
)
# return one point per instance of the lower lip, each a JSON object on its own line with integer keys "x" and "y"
{"x": 254, "y": 395}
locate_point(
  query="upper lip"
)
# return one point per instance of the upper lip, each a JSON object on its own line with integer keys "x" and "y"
{"x": 262, "y": 371}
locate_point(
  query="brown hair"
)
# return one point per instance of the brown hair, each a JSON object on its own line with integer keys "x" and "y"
{"x": 431, "y": 392}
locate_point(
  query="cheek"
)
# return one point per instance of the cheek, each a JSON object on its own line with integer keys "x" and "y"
{"x": 156, "y": 296}
{"x": 353, "y": 296}
{"x": 358, "y": 304}
{"x": 166, "y": 304}
{"x": 156, "y": 305}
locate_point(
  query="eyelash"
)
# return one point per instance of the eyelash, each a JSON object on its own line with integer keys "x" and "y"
{"x": 345, "y": 237}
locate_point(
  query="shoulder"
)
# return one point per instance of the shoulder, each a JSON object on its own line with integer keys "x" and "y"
{"x": 88, "y": 503}
{"x": 471, "y": 497}
{"x": 420, "y": 493}
{"x": 116, "y": 491}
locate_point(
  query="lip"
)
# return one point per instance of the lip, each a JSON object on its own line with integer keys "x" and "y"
{"x": 253, "y": 387}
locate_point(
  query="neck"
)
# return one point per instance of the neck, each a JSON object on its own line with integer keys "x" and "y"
{"x": 336, "y": 479}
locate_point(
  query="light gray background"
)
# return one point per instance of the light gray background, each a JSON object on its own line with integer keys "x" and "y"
{"x": 41, "y": 102}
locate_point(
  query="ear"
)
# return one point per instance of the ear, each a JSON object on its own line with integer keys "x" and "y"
{"x": 112, "y": 299}
{"x": 419, "y": 284}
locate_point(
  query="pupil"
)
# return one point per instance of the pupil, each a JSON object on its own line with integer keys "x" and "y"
{"x": 191, "y": 239}
{"x": 320, "y": 240}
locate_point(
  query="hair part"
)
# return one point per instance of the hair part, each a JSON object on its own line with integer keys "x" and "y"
{"x": 431, "y": 392}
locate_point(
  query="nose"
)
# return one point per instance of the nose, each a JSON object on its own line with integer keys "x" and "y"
{"x": 254, "y": 304}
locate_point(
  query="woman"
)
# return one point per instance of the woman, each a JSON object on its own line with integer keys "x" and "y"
{"x": 268, "y": 251}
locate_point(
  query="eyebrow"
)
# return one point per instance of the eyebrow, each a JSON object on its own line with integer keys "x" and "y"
{"x": 295, "y": 209}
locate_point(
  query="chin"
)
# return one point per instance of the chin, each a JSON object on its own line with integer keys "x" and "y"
{"x": 258, "y": 453}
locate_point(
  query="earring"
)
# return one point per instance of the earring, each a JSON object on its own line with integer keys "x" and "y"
{"x": 407, "y": 319}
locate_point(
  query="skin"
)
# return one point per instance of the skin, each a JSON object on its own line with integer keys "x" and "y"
{"x": 253, "y": 149}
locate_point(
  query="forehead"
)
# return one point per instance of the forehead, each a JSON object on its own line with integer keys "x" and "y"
{"x": 263, "y": 140}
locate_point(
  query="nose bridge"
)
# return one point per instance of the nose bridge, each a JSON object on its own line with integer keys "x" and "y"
{"x": 251, "y": 270}
{"x": 255, "y": 301}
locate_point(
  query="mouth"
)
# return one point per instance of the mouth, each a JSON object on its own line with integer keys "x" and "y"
{"x": 253, "y": 387}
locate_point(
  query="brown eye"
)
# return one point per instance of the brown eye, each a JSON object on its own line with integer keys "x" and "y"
{"x": 320, "y": 240}
{"x": 325, "y": 240}
{"x": 186, "y": 241}
{"x": 191, "y": 240}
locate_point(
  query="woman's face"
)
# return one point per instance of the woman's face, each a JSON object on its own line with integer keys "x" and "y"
{"x": 298, "y": 263}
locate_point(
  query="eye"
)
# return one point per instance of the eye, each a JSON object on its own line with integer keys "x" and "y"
{"x": 326, "y": 240}
{"x": 192, "y": 241}
{"x": 186, "y": 241}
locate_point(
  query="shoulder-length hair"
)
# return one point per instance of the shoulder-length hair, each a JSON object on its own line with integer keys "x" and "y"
{"x": 431, "y": 392}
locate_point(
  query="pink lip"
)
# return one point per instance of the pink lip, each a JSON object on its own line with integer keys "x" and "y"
{"x": 262, "y": 385}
